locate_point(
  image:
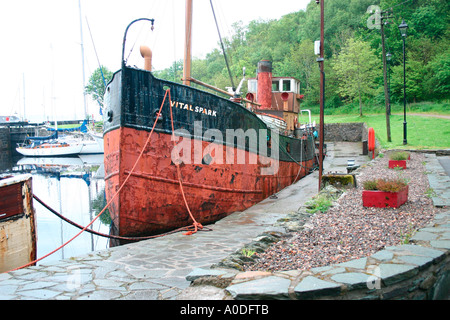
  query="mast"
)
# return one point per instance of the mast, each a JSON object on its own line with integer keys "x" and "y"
{"x": 82, "y": 61}
{"x": 24, "y": 112}
{"x": 187, "y": 44}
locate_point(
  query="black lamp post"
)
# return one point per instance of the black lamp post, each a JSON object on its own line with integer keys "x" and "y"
{"x": 403, "y": 27}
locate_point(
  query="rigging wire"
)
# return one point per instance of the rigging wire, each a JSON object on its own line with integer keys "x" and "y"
{"x": 95, "y": 50}
{"x": 223, "y": 48}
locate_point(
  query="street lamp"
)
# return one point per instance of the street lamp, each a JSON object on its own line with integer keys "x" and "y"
{"x": 403, "y": 27}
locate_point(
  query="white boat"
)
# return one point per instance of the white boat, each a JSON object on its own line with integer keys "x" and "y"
{"x": 50, "y": 149}
{"x": 97, "y": 137}
{"x": 94, "y": 145}
{"x": 91, "y": 147}
{"x": 92, "y": 142}
{"x": 81, "y": 135}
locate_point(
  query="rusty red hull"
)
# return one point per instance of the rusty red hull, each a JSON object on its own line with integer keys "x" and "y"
{"x": 215, "y": 184}
{"x": 151, "y": 201}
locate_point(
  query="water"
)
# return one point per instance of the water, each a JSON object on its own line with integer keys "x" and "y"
{"x": 74, "y": 187}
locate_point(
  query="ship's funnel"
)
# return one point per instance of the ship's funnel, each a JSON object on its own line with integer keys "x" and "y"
{"x": 146, "y": 53}
{"x": 264, "y": 94}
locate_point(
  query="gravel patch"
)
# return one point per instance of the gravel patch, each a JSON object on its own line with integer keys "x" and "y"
{"x": 350, "y": 231}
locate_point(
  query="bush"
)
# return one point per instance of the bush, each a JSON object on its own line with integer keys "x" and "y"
{"x": 384, "y": 185}
{"x": 370, "y": 185}
{"x": 319, "y": 203}
{"x": 390, "y": 185}
{"x": 400, "y": 155}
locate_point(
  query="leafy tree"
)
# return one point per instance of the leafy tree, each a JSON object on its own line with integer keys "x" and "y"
{"x": 97, "y": 84}
{"x": 288, "y": 43}
{"x": 357, "y": 68}
{"x": 414, "y": 81}
{"x": 428, "y": 22}
{"x": 439, "y": 69}
{"x": 173, "y": 73}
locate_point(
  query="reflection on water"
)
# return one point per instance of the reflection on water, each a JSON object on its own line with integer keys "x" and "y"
{"x": 74, "y": 187}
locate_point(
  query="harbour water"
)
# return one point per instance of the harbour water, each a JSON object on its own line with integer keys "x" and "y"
{"x": 73, "y": 187}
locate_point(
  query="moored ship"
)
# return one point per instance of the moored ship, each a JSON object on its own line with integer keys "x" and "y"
{"x": 173, "y": 152}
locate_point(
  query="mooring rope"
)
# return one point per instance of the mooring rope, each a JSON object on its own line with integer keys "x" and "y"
{"x": 104, "y": 234}
{"x": 195, "y": 223}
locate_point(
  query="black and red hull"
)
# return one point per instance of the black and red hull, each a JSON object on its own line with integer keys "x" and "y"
{"x": 216, "y": 181}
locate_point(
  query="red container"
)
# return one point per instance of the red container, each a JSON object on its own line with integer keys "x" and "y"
{"x": 397, "y": 163}
{"x": 381, "y": 199}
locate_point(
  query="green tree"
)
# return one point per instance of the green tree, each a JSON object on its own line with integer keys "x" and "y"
{"x": 173, "y": 73}
{"x": 415, "y": 78}
{"x": 288, "y": 42}
{"x": 357, "y": 68}
{"x": 439, "y": 68}
{"x": 97, "y": 84}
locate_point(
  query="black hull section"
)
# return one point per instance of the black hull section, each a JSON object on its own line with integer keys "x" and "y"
{"x": 134, "y": 97}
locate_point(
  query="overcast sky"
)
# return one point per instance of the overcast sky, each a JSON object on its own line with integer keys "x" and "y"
{"x": 41, "y": 44}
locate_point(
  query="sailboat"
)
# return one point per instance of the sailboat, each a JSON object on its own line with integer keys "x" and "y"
{"x": 75, "y": 141}
{"x": 175, "y": 153}
{"x": 48, "y": 146}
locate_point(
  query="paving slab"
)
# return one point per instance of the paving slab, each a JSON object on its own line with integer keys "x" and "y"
{"x": 156, "y": 269}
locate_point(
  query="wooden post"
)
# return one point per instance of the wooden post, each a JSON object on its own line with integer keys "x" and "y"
{"x": 322, "y": 93}
{"x": 187, "y": 44}
{"x": 386, "y": 92}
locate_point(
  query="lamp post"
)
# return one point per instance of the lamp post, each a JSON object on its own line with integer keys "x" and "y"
{"x": 403, "y": 27}
{"x": 388, "y": 58}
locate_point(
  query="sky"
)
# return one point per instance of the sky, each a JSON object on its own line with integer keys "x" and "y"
{"x": 41, "y": 52}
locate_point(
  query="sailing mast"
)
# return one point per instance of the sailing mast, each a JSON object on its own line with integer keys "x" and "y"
{"x": 82, "y": 61}
{"x": 187, "y": 44}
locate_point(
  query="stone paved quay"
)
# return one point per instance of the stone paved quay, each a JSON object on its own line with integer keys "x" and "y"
{"x": 163, "y": 268}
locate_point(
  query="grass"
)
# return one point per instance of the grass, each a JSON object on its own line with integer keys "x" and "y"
{"x": 374, "y": 108}
{"x": 66, "y": 126}
{"x": 399, "y": 155}
{"x": 423, "y": 132}
{"x": 322, "y": 202}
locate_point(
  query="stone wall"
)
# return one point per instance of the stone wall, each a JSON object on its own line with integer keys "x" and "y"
{"x": 351, "y": 132}
{"x": 5, "y": 148}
